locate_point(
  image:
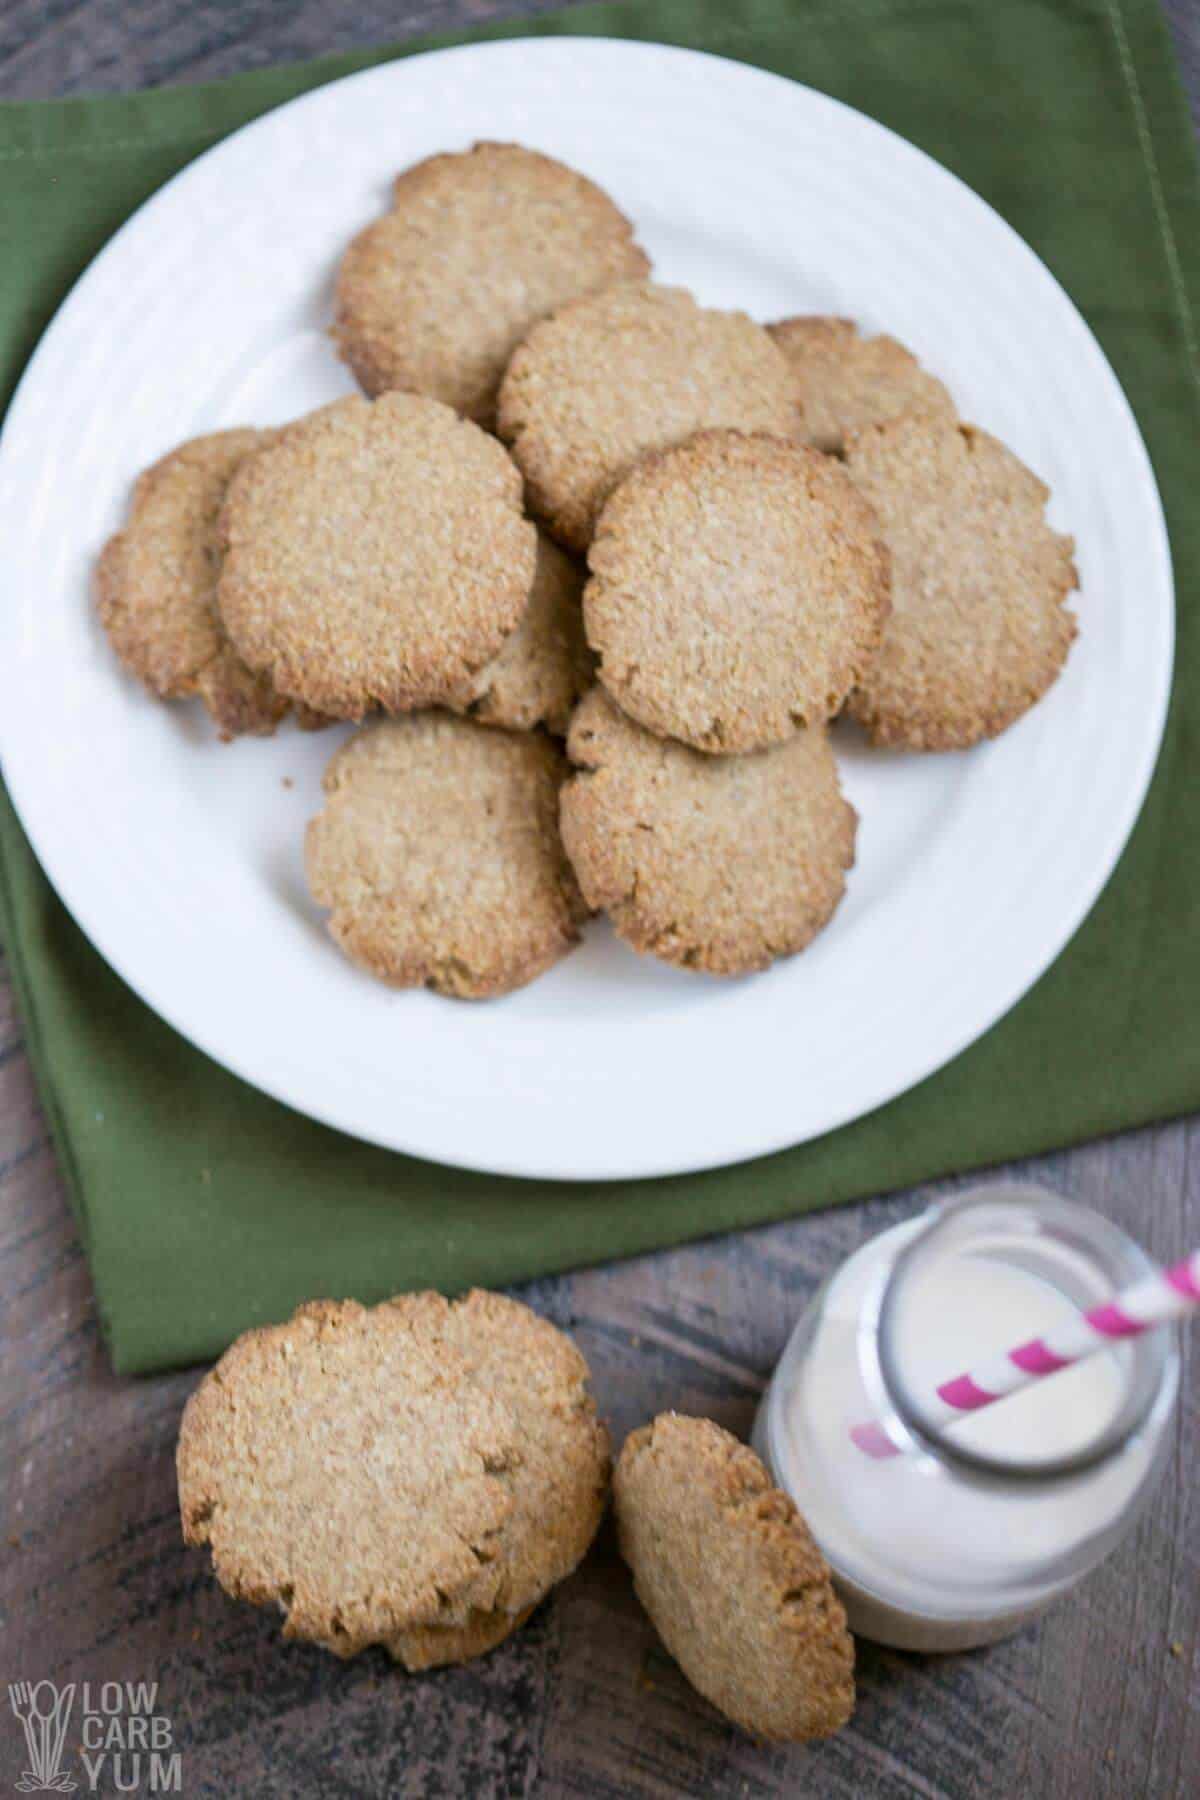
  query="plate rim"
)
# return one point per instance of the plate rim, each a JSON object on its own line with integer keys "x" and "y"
{"x": 68, "y": 888}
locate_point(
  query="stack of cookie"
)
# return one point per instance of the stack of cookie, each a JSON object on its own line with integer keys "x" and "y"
{"x": 419, "y": 1475}
{"x": 779, "y": 524}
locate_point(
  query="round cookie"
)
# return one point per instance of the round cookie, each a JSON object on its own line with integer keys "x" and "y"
{"x": 717, "y": 863}
{"x": 157, "y": 585}
{"x": 417, "y": 1474}
{"x": 435, "y": 296}
{"x": 545, "y": 665}
{"x": 439, "y": 856}
{"x": 738, "y": 591}
{"x": 844, "y": 381}
{"x": 632, "y": 370}
{"x": 979, "y": 629}
{"x": 732, "y": 1580}
{"x": 377, "y": 554}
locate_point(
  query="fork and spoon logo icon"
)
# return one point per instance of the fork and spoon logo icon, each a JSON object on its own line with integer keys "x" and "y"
{"x": 44, "y": 1711}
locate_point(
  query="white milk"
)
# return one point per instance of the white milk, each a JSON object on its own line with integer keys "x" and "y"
{"x": 929, "y": 1554}
{"x": 966, "y": 1307}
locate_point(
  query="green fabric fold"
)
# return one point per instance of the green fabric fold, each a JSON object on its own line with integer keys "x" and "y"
{"x": 206, "y": 1207}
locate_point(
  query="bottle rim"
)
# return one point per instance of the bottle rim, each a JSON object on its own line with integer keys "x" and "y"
{"x": 1037, "y": 1216}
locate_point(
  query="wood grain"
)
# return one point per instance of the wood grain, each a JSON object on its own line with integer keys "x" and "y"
{"x": 1100, "y": 1701}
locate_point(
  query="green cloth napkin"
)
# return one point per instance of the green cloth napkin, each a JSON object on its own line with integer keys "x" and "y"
{"x": 206, "y": 1207}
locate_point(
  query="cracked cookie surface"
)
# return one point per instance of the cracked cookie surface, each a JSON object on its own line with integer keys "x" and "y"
{"x": 717, "y": 863}
{"x": 732, "y": 1580}
{"x": 845, "y": 381}
{"x": 609, "y": 379}
{"x": 156, "y": 586}
{"x": 376, "y": 554}
{"x": 438, "y": 853}
{"x": 979, "y": 628}
{"x": 417, "y": 1474}
{"x": 436, "y": 295}
{"x": 738, "y": 591}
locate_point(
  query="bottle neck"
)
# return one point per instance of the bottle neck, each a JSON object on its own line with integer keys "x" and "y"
{"x": 964, "y": 1287}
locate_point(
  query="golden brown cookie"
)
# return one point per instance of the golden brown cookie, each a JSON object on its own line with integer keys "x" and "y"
{"x": 377, "y": 554}
{"x": 634, "y": 369}
{"x": 979, "y": 629}
{"x": 545, "y": 665}
{"x": 435, "y": 296}
{"x": 439, "y": 856}
{"x": 718, "y": 863}
{"x": 844, "y": 381}
{"x": 732, "y": 1580}
{"x": 157, "y": 584}
{"x": 417, "y": 1474}
{"x": 738, "y": 591}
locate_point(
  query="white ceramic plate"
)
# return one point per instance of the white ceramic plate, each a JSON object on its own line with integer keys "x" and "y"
{"x": 181, "y": 859}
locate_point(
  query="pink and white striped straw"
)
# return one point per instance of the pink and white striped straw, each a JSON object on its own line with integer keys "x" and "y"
{"x": 1168, "y": 1294}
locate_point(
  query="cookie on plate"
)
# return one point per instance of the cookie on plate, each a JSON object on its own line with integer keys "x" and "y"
{"x": 732, "y": 1580}
{"x": 545, "y": 665}
{"x": 439, "y": 856}
{"x": 979, "y": 627}
{"x": 435, "y": 296}
{"x": 157, "y": 586}
{"x": 377, "y": 554}
{"x": 628, "y": 371}
{"x": 738, "y": 591}
{"x": 844, "y": 381}
{"x": 417, "y": 1474}
{"x": 717, "y": 863}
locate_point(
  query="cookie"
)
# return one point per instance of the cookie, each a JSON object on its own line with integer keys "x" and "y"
{"x": 844, "y": 381}
{"x": 979, "y": 629}
{"x": 157, "y": 584}
{"x": 717, "y": 863}
{"x": 738, "y": 591}
{"x": 634, "y": 369}
{"x": 545, "y": 665}
{"x": 435, "y": 296}
{"x": 417, "y": 1474}
{"x": 439, "y": 856}
{"x": 376, "y": 555}
{"x": 732, "y": 1580}
{"x": 433, "y": 1646}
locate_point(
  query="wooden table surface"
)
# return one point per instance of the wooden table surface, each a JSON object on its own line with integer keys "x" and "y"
{"x": 1101, "y": 1699}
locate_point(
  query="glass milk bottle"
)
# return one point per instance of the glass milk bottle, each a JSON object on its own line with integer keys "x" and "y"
{"x": 979, "y": 1524}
